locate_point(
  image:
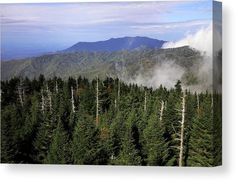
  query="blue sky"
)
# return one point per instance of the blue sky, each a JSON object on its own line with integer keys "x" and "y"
{"x": 31, "y": 29}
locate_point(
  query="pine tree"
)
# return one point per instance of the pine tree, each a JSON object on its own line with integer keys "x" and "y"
{"x": 157, "y": 148}
{"x": 129, "y": 154}
{"x": 84, "y": 142}
{"x": 44, "y": 137}
{"x": 29, "y": 129}
{"x": 201, "y": 141}
{"x": 117, "y": 131}
{"x": 53, "y": 121}
{"x": 217, "y": 128}
{"x": 9, "y": 134}
{"x": 59, "y": 150}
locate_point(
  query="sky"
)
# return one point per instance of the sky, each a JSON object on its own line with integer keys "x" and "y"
{"x": 32, "y": 29}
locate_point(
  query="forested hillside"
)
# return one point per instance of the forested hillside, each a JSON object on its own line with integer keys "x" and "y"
{"x": 124, "y": 64}
{"x": 105, "y": 121}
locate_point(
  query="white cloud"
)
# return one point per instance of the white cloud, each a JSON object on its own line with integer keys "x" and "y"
{"x": 173, "y": 25}
{"x": 83, "y": 13}
{"x": 202, "y": 40}
{"x": 167, "y": 74}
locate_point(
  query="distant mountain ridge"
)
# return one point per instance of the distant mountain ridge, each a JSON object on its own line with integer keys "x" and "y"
{"x": 125, "y": 63}
{"x": 117, "y": 44}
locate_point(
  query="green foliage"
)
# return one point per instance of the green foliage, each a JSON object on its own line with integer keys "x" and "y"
{"x": 59, "y": 150}
{"x": 136, "y": 125}
{"x": 156, "y": 145}
{"x": 201, "y": 151}
{"x": 90, "y": 64}
{"x": 129, "y": 154}
{"x": 85, "y": 141}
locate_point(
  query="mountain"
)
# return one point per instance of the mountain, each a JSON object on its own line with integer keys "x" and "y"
{"x": 117, "y": 44}
{"x": 124, "y": 64}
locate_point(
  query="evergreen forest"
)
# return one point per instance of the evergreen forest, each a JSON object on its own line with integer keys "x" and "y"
{"x": 108, "y": 122}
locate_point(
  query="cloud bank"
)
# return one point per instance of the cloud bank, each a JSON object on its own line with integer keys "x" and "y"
{"x": 201, "y": 40}
{"x": 168, "y": 72}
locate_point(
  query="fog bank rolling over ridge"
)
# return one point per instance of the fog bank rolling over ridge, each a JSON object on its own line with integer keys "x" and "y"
{"x": 168, "y": 72}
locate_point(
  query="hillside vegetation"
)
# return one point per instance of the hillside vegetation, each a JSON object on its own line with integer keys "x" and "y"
{"x": 108, "y": 122}
{"x": 122, "y": 64}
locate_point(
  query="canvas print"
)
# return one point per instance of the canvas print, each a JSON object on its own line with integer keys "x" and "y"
{"x": 112, "y": 83}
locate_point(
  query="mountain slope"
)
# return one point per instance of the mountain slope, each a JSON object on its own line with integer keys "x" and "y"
{"x": 124, "y": 64}
{"x": 116, "y": 44}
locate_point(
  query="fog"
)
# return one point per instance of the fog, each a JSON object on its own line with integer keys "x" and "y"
{"x": 201, "y": 40}
{"x": 168, "y": 72}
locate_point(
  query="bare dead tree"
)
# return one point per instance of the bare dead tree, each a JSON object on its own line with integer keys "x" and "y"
{"x": 56, "y": 87}
{"x": 165, "y": 107}
{"x": 161, "y": 111}
{"x": 97, "y": 103}
{"x": 47, "y": 89}
{"x": 115, "y": 104}
{"x": 46, "y": 100}
{"x": 118, "y": 91}
{"x": 181, "y": 147}
{"x": 117, "y": 100}
{"x": 50, "y": 101}
{"x": 145, "y": 101}
{"x": 21, "y": 93}
{"x": 42, "y": 101}
{"x": 198, "y": 104}
{"x": 72, "y": 100}
{"x": 118, "y": 95}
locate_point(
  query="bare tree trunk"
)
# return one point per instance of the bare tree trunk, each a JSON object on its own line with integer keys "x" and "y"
{"x": 56, "y": 87}
{"x": 77, "y": 93}
{"x": 49, "y": 99}
{"x": 145, "y": 102}
{"x": 47, "y": 89}
{"x": 97, "y": 104}
{"x": 198, "y": 104}
{"x": 43, "y": 102}
{"x": 181, "y": 147}
{"x": 165, "y": 106}
{"x": 115, "y": 104}
{"x": 72, "y": 100}
{"x": 118, "y": 94}
{"x": 21, "y": 93}
{"x": 161, "y": 111}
